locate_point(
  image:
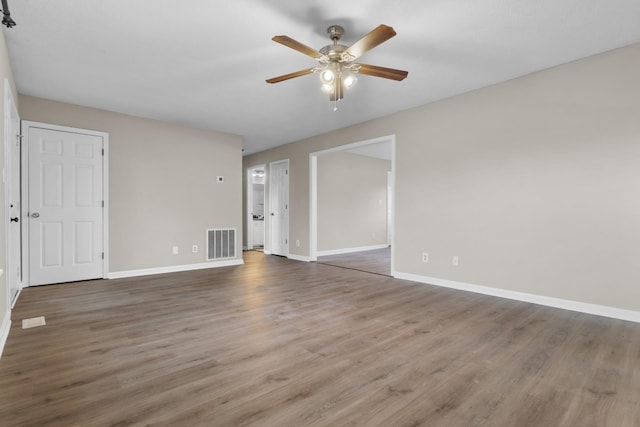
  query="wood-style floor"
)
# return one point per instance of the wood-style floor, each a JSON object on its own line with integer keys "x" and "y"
{"x": 376, "y": 261}
{"x": 285, "y": 343}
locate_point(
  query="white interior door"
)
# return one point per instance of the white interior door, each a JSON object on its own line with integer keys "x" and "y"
{"x": 14, "y": 245}
{"x": 65, "y": 212}
{"x": 279, "y": 207}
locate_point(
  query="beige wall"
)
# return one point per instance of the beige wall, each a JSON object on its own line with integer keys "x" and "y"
{"x": 5, "y": 73}
{"x": 534, "y": 183}
{"x": 162, "y": 183}
{"x": 352, "y": 201}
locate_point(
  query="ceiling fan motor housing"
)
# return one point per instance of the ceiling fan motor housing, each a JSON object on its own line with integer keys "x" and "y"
{"x": 335, "y": 32}
{"x": 334, "y": 52}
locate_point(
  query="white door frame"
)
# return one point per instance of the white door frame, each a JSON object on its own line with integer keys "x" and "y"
{"x": 270, "y": 180}
{"x": 9, "y": 165}
{"x": 313, "y": 191}
{"x": 390, "y": 203}
{"x": 249, "y": 191}
{"x": 25, "y": 192}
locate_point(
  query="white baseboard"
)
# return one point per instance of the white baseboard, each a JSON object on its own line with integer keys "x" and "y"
{"x": 351, "y": 250}
{"x": 4, "y": 330}
{"x": 299, "y": 258}
{"x": 173, "y": 269}
{"x": 583, "y": 307}
{"x": 15, "y": 300}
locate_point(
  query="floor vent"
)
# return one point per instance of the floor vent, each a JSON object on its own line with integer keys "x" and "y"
{"x": 33, "y": 322}
{"x": 221, "y": 243}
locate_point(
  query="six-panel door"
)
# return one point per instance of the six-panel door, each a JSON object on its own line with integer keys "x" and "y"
{"x": 65, "y": 206}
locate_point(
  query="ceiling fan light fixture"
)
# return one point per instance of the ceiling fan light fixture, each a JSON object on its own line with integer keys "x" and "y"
{"x": 349, "y": 79}
{"x": 327, "y": 76}
{"x": 327, "y": 87}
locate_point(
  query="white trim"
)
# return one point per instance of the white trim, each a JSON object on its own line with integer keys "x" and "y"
{"x": 248, "y": 233}
{"x": 313, "y": 207}
{"x": 351, "y": 250}
{"x": 4, "y": 330}
{"x": 15, "y": 300}
{"x": 24, "y": 205}
{"x": 582, "y": 307}
{"x": 10, "y": 258}
{"x": 174, "y": 269}
{"x": 26, "y": 124}
{"x": 299, "y": 258}
{"x": 105, "y": 209}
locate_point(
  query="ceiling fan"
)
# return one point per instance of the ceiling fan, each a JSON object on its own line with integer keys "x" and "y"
{"x": 336, "y": 67}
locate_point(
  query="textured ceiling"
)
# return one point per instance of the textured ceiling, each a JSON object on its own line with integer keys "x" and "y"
{"x": 204, "y": 63}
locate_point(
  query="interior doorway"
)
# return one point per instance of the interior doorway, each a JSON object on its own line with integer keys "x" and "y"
{"x": 256, "y": 207}
{"x": 382, "y": 148}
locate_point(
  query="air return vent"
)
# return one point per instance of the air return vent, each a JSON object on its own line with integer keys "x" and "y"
{"x": 221, "y": 243}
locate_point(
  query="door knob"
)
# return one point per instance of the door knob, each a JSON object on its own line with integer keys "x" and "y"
{"x": 16, "y": 219}
{"x": 35, "y": 215}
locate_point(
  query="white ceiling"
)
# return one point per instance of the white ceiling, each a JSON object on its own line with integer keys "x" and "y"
{"x": 204, "y": 63}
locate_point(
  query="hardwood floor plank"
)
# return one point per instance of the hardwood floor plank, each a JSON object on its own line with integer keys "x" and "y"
{"x": 376, "y": 261}
{"x": 277, "y": 342}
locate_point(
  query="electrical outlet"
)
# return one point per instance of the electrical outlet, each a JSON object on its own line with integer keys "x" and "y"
{"x": 425, "y": 257}
{"x": 455, "y": 261}
{"x": 175, "y": 250}
{"x": 194, "y": 249}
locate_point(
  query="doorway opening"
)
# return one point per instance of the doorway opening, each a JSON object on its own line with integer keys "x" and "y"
{"x": 352, "y": 205}
{"x": 256, "y": 177}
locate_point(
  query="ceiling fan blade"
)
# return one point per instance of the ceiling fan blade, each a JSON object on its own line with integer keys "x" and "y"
{"x": 296, "y": 45}
{"x": 386, "y": 73}
{"x": 379, "y": 35}
{"x": 290, "y": 75}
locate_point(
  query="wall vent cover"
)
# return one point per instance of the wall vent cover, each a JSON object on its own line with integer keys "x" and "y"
{"x": 221, "y": 243}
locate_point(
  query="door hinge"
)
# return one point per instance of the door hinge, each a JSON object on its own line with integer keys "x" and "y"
{"x": 286, "y": 171}
{"x": 103, "y": 151}
{"x": 103, "y": 203}
{"x": 102, "y": 255}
